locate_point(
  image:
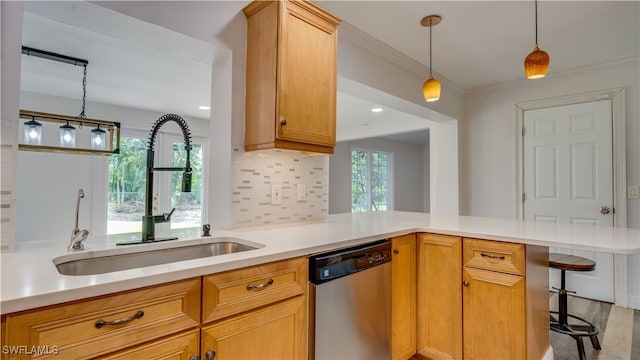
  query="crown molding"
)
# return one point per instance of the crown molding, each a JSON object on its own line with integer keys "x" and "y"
{"x": 357, "y": 37}
{"x": 557, "y": 74}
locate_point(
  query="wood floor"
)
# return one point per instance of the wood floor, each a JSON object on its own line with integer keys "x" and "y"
{"x": 619, "y": 330}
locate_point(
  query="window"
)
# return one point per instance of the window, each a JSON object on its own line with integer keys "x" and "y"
{"x": 127, "y": 184}
{"x": 371, "y": 187}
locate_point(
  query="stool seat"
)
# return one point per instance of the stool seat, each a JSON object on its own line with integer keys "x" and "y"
{"x": 571, "y": 262}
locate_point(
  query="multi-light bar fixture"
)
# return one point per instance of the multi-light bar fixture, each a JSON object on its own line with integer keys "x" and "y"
{"x": 33, "y": 128}
{"x": 102, "y": 139}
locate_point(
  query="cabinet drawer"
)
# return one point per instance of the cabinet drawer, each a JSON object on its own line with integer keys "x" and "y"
{"x": 494, "y": 255}
{"x": 236, "y": 291}
{"x": 70, "y": 331}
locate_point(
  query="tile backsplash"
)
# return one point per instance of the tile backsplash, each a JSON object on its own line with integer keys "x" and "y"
{"x": 302, "y": 183}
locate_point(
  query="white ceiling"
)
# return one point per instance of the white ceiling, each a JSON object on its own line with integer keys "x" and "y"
{"x": 478, "y": 43}
{"x": 131, "y": 63}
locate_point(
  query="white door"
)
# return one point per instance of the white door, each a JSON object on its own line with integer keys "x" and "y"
{"x": 568, "y": 178}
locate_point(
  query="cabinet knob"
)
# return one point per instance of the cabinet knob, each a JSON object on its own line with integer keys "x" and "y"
{"x": 210, "y": 355}
{"x": 283, "y": 122}
{"x": 465, "y": 283}
{"x": 396, "y": 251}
{"x": 194, "y": 357}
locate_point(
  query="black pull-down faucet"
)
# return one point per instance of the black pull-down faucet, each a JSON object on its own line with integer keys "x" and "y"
{"x": 149, "y": 220}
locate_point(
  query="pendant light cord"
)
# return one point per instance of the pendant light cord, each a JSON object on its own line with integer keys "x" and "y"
{"x": 430, "y": 46}
{"x": 84, "y": 92}
{"x": 536, "y": 4}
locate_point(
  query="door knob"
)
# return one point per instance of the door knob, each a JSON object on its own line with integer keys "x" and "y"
{"x": 604, "y": 210}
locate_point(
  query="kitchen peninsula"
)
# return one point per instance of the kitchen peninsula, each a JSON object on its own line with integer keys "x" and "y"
{"x": 30, "y": 279}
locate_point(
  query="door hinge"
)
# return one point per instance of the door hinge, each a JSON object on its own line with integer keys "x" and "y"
{"x": 523, "y": 197}
{"x": 523, "y": 131}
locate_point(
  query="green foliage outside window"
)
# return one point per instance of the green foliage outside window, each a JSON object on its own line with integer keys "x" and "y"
{"x": 370, "y": 180}
{"x": 127, "y": 184}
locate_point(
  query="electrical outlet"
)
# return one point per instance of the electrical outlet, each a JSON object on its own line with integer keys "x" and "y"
{"x": 276, "y": 194}
{"x": 302, "y": 192}
{"x": 632, "y": 191}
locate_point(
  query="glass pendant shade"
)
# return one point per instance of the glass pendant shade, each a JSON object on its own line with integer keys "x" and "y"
{"x": 536, "y": 64}
{"x": 98, "y": 139}
{"x": 431, "y": 89}
{"x": 32, "y": 133}
{"x": 67, "y": 136}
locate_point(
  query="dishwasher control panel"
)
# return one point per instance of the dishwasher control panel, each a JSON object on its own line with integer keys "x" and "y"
{"x": 332, "y": 265}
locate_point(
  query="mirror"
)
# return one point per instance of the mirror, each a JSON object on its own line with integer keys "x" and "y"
{"x": 137, "y": 71}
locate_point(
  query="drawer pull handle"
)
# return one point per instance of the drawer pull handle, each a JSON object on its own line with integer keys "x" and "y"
{"x": 501, "y": 257}
{"x": 210, "y": 355}
{"x": 259, "y": 287}
{"x": 100, "y": 323}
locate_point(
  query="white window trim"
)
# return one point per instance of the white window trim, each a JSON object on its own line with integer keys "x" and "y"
{"x": 390, "y": 174}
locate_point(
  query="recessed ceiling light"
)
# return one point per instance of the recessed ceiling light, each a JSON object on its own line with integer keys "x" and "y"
{"x": 376, "y": 110}
{"x": 204, "y": 107}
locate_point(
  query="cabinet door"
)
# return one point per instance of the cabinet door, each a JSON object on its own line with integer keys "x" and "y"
{"x": 403, "y": 297}
{"x": 307, "y": 76}
{"x": 274, "y": 332}
{"x": 177, "y": 347}
{"x": 440, "y": 296}
{"x": 494, "y": 315}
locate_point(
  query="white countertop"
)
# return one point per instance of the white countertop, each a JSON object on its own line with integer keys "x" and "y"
{"x": 30, "y": 279}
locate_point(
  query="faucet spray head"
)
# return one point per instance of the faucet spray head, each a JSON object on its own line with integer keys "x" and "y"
{"x": 186, "y": 181}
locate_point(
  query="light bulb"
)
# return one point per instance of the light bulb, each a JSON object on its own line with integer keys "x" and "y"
{"x": 33, "y": 133}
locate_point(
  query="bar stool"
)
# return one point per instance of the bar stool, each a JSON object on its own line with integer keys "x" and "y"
{"x": 560, "y": 323}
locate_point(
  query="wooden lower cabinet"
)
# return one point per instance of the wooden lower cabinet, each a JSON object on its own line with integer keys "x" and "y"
{"x": 273, "y": 332}
{"x": 178, "y": 347}
{"x": 506, "y": 300}
{"x": 403, "y": 297}
{"x": 99, "y": 326}
{"x": 494, "y": 315}
{"x": 480, "y": 299}
{"x": 260, "y": 312}
{"x": 439, "y": 296}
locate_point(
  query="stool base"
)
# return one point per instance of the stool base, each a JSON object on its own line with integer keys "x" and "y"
{"x": 576, "y": 331}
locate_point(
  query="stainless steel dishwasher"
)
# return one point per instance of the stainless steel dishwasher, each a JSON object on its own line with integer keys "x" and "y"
{"x": 350, "y": 305}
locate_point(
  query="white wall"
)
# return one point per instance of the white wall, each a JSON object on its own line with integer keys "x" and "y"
{"x": 409, "y": 180}
{"x": 488, "y": 141}
{"x": 11, "y": 35}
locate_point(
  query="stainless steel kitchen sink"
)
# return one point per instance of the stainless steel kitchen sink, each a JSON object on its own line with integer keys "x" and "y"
{"x": 107, "y": 261}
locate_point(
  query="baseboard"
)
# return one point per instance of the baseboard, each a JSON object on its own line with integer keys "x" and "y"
{"x": 549, "y": 354}
{"x": 633, "y": 302}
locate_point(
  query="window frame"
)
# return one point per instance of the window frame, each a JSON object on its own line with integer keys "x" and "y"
{"x": 390, "y": 175}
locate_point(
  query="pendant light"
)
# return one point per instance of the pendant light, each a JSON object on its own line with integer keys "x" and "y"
{"x": 32, "y": 132}
{"x": 537, "y": 62}
{"x": 98, "y": 139}
{"x": 67, "y": 135}
{"x": 431, "y": 87}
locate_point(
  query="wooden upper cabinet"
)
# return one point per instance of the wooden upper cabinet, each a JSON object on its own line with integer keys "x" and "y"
{"x": 291, "y": 77}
